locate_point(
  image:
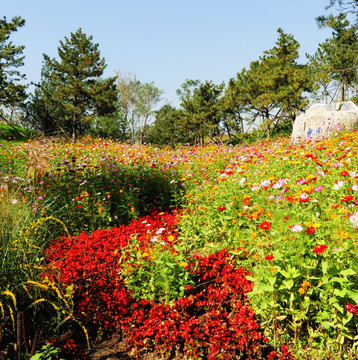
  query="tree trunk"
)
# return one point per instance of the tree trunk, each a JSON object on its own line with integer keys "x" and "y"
{"x": 74, "y": 128}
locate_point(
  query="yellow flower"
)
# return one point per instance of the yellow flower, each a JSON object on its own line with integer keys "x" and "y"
{"x": 273, "y": 270}
{"x": 170, "y": 238}
{"x": 301, "y": 290}
{"x": 334, "y": 216}
{"x": 345, "y": 235}
{"x": 183, "y": 264}
{"x": 254, "y": 234}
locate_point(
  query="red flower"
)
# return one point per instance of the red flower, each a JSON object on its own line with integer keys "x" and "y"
{"x": 348, "y": 198}
{"x": 222, "y": 208}
{"x": 246, "y": 201}
{"x": 265, "y": 226}
{"x": 269, "y": 257}
{"x": 319, "y": 249}
{"x": 310, "y": 230}
{"x": 344, "y": 173}
{"x": 352, "y": 309}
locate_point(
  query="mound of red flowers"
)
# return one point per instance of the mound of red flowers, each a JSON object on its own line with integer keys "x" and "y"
{"x": 213, "y": 320}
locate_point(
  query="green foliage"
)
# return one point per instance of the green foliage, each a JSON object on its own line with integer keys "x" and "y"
{"x": 11, "y": 92}
{"x": 73, "y": 83}
{"x": 15, "y": 133}
{"x": 105, "y": 195}
{"x": 274, "y": 86}
{"x": 110, "y": 127}
{"x": 202, "y": 112}
{"x": 167, "y": 128}
{"x": 47, "y": 352}
{"x": 158, "y": 275}
{"x": 336, "y": 59}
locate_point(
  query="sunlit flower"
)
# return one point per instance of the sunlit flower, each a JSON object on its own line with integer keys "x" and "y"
{"x": 319, "y": 249}
{"x": 354, "y": 219}
{"x": 296, "y": 228}
{"x": 310, "y": 230}
{"x": 265, "y": 226}
{"x": 269, "y": 257}
{"x": 303, "y": 198}
{"x": 338, "y": 185}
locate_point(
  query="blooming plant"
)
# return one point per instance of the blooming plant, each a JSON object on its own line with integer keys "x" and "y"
{"x": 290, "y": 209}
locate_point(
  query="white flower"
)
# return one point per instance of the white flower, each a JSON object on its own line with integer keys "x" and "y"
{"x": 338, "y": 185}
{"x": 159, "y": 231}
{"x": 354, "y": 219}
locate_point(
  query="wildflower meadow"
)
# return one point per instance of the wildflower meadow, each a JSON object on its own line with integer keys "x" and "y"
{"x": 210, "y": 252}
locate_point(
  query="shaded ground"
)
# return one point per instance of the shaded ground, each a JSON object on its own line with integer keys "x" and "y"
{"x": 117, "y": 349}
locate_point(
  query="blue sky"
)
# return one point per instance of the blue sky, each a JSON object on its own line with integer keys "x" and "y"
{"x": 167, "y": 41}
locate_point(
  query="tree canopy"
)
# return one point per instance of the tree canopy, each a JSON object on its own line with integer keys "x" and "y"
{"x": 12, "y": 92}
{"x": 73, "y": 83}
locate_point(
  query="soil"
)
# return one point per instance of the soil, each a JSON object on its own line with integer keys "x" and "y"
{"x": 117, "y": 349}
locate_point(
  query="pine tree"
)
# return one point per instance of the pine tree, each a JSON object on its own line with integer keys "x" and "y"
{"x": 203, "y": 111}
{"x": 12, "y": 93}
{"x": 274, "y": 86}
{"x": 337, "y": 57}
{"x": 76, "y": 85}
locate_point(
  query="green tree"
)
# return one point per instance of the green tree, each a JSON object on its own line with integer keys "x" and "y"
{"x": 43, "y": 115}
{"x": 186, "y": 89}
{"x": 113, "y": 126}
{"x": 337, "y": 58}
{"x": 167, "y": 129}
{"x": 12, "y": 92}
{"x": 275, "y": 85}
{"x": 203, "y": 111}
{"x": 76, "y": 85}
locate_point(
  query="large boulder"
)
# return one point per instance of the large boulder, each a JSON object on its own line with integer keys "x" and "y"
{"x": 324, "y": 119}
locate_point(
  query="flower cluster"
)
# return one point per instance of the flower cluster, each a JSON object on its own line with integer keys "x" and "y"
{"x": 214, "y": 318}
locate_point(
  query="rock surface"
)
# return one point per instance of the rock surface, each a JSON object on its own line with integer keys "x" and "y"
{"x": 324, "y": 119}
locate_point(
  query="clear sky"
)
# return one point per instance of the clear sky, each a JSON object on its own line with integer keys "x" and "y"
{"x": 167, "y": 41}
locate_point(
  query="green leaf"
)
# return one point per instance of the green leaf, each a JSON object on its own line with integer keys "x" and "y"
{"x": 288, "y": 284}
{"x": 353, "y": 294}
{"x": 324, "y": 267}
{"x": 347, "y": 318}
{"x": 338, "y": 307}
{"x": 347, "y": 272}
{"x": 340, "y": 293}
